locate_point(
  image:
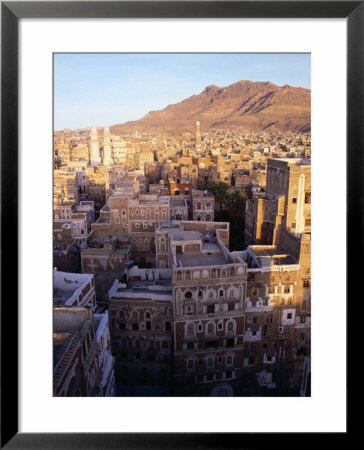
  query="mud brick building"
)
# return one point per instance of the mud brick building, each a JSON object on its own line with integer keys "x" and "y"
{"x": 141, "y": 326}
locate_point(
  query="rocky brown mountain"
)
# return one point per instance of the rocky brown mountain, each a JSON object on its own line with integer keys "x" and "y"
{"x": 242, "y": 105}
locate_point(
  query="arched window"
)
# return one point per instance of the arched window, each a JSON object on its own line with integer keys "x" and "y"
{"x": 210, "y": 362}
{"x": 147, "y": 315}
{"x": 230, "y": 326}
{"x": 229, "y": 360}
{"x": 208, "y": 205}
{"x": 210, "y": 328}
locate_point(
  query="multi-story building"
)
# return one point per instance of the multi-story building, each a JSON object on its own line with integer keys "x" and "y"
{"x": 179, "y": 209}
{"x": 75, "y": 354}
{"x": 141, "y": 325}
{"x": 129, "y": 214}
{"x": 203, "y": 206}
{"x": 285, "y": 205}
{"x": 209, "y": 286}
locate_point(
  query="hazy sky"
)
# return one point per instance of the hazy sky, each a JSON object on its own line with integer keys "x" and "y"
{"x": 106, "y": 89}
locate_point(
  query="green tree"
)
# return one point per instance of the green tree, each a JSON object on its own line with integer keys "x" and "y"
{"x": 236, "y": 202}
{"x": 219, "y": 190}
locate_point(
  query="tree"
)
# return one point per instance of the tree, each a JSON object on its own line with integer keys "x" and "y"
{"x": 219, "y": 190}
{"x": 236, "y": 202}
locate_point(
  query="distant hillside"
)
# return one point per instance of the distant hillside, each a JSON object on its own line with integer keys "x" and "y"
{"x": 242, "y": 105}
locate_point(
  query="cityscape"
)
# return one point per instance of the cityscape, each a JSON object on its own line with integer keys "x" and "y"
{"x": 182, "y": 233}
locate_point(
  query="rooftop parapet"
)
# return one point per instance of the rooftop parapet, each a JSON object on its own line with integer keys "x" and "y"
{"x": 262, "y": 256}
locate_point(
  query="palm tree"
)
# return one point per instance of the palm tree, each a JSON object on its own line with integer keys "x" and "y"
{"x": 236, "y": 202}
{"x": 219, "y": 190}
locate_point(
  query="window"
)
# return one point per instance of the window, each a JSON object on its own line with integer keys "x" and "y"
{"x": 254, "y": 333}
{"x": 188, "y": 294}
{"x": 135, "y": 315}
{"x": 135, "y": 327}
{"x": 200, "y": 293}
{"x": 147, "y": 315}
{"x": 168, "y": 326}
{"x": 229, "y": 360}
{"x": 210, "y": 363}
{"x": 190, "y": 346}
{"x": 230, "y": 327}
{"x": 231, "y": 306}
{"x": 286, "y": 289}
{"x": 265, "y": 302}
{"x": 210, "y": 309}
{"x": 294, "y": 200}
{"x": 307, "y": 197}
{"x": 190, "y": 364}
{"x": 221, "y": 293}
{"x": 149, "y": 327}
{"x": 306, "y": 283}
{"x": 229, "y": 374}
{"x": 230, "y": 342}
{"x": 272, "y": 289}
{"x": 255, "y": 319}
{"x": 189, "y": 309}
{"x": 210, "y": 328}
{"x": 289, "y": 316}
{"x": 164, "y": 344}
{"x": 122, "y": 326}
{"x": 302, "y": 319}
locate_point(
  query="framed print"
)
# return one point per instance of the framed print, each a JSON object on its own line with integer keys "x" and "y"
{"x": 185, "y": 302}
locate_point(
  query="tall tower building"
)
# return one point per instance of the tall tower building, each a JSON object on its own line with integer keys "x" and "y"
{"x": 107, "y": 160}
{"x": 95, "y": 158}
{"x": 198, "y": 136}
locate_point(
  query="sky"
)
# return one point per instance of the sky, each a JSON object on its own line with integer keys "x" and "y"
{"x": 107, "y": 89}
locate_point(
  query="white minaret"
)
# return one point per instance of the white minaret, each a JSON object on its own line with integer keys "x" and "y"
{"x": 95, "y": 158}
{"x": 198, "y": 136}
{"x": 107, "y": 160}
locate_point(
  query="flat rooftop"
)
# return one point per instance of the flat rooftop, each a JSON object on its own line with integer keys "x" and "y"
{"x": 202, "y": 259}
{"x": 186, "y": 236}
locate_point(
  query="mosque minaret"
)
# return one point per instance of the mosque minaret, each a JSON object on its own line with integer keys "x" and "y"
{"x": 95, "y": 158}
{"x": 107, "y": 160}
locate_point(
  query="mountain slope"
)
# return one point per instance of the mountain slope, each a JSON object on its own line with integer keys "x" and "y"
{"x": 242, "y": 105}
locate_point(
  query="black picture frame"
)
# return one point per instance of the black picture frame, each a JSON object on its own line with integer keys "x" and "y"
{"x": 11, "y": 12}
